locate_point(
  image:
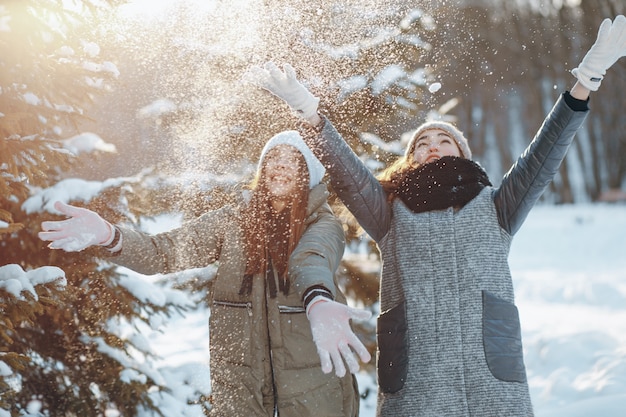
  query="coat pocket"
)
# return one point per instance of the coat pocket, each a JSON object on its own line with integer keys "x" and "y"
{"x": 393, "y": 362}
{"x": 299, "y": 350}
{"x": 502, "y": 339}
{"x": 230, "y": 331}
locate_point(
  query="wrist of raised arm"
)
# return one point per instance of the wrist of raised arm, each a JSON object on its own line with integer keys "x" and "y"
{"x": 574, "y": 102}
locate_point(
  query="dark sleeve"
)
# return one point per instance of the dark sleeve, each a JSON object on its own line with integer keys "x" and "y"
{"x": 353, "y": 182}
{"x": 533, "y": 171}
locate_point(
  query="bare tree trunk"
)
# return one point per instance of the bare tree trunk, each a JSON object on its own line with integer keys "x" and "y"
{"x": 505, "y": 49}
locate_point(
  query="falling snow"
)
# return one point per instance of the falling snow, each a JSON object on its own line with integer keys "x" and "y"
{"x": 434, "y": 87}
{"x": 567, "y": 261}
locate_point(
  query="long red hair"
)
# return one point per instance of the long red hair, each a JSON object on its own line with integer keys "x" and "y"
{"x": 262, "y": 223}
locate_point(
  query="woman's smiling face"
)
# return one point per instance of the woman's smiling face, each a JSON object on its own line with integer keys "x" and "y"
{"x": 281, "y": 170}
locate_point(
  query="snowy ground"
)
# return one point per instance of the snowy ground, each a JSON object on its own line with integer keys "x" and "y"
{"x": 569, "y": 267}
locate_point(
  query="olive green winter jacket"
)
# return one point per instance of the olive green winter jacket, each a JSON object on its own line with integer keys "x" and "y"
{"x": 262, "y": 353}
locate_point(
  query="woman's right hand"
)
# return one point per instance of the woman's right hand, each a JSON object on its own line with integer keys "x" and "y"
{"x": 82, "y": 229}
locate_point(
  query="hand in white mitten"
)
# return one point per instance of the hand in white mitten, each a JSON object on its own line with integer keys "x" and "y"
{"x": 330, "y": 324}
{"x": 84, "y": 228}
{"x": 286, "y": 86}
{"x": 610, "y": 46}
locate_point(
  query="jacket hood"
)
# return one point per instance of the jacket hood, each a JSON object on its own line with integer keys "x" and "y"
{"x": 293, "y": 138}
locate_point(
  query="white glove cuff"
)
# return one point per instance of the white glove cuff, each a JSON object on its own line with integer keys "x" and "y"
{"x": 310, "y": 108}
{"x": 589, "y": 81}
{"x": 115, "y": 243}
{"x": 315, "y": 300}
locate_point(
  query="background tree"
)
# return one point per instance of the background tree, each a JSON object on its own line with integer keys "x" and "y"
{"x": 64, "y": 349}
{"x": 507, "y": 62}
{"x": 493, "y": 67}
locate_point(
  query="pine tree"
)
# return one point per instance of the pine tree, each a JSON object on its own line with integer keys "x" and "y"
{"x": 61, "y": 348}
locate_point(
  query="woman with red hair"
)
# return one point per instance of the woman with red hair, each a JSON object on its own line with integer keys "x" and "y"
{"x": 276, "y": 309}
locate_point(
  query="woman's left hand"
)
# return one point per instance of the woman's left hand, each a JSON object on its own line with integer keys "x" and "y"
{"x": 335, "y": 340}
{"x": 610, "y": 45}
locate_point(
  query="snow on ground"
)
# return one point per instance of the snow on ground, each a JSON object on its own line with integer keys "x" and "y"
{"x": 569, "y": 268}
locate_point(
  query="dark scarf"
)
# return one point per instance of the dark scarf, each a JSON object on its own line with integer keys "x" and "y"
{"x": 447, "y": 182}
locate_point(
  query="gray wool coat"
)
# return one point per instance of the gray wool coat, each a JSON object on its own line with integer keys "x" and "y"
{"x": 449, "y": 338}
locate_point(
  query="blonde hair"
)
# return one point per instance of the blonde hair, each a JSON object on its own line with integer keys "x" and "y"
{"x": 393, "y": 175}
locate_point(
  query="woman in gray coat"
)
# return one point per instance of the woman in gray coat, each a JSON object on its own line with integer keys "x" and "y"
{"x": 449, "y": 339}
{"x": 276, "y": 310}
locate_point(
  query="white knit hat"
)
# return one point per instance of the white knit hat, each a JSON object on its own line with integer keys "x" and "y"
{"x": 293, "y": 138}
{"x": 456, "y": 134}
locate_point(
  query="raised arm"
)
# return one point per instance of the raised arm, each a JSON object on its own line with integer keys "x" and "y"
{"x": 355, "y": 185}
{"x": 534, "y": 170}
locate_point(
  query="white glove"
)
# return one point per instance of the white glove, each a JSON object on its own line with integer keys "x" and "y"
{"x": 285, "y": 86}
{"x": 84, "y": 228}
{"x": 610, "y": 46}
{"x": 330, "y": 325}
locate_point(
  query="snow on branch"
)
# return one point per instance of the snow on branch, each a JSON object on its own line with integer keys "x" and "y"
{"x": 14, "y": 280}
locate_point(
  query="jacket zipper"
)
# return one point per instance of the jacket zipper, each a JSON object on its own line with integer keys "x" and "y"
{"x": 247, "y": 305}
{"x": 290, "y": 309}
